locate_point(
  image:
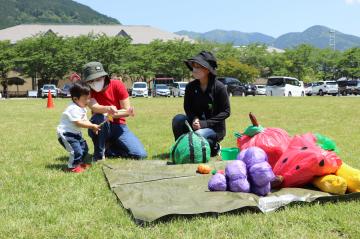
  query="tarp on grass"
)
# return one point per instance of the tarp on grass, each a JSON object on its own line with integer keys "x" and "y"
{"x": 151, "y": 190}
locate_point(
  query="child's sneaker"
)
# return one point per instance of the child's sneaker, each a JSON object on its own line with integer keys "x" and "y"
{"x": 85, "y": 165}
{"x": 77, "y": 169}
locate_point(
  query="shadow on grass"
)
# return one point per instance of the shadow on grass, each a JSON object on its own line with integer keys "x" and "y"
{"x": 171, "y": 218}
{"x": 57, "y": 167}
{"x": 161, "y": 156}
{"x": 65, "y": 159}
{"x": 62, "y": 158}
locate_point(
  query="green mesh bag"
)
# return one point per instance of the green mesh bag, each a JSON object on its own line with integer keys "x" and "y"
{"x": 190, "y": 148}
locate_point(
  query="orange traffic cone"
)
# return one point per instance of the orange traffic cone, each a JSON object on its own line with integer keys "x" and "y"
{"x": 50, "y": 102}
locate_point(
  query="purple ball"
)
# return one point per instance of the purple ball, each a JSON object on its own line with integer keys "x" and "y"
{"x": 252, "y": 155}
{"x": 261, "y": 191}
{"x": 241, "y": 155}
{"x": 217, "y": 183}
{"x": 261, "y": 174}
{"x": 239, "y": 185}
{"x": 235, "y": 170}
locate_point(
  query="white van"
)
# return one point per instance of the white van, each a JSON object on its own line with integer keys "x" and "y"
{"x": 140, "y": 89}
{"x": 284, "y": 86}
{"x": 178, "y": 88}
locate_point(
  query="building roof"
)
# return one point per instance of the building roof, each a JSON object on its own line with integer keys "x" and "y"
{"x": 139, "y": 34}
{"x": 272, "y": 49}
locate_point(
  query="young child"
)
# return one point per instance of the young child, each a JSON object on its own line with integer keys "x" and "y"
{"x": 69, "y": 130}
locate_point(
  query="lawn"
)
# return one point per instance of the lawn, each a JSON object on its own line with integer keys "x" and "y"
{"x": 39, "y": 200}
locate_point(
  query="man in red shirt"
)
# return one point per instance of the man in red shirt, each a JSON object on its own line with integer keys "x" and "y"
{"x": 110, "y": 97}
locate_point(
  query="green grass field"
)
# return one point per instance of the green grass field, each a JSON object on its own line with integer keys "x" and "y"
{"x": 39, "y": 200}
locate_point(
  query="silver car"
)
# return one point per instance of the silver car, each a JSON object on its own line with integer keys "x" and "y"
{"x": 260, "y": 89}
{"x": 49, "y": 87}
{"x": 162, "y": 90}
{"x": 139, "y": 89}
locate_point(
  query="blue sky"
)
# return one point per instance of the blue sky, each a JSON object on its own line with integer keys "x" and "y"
{"x": 272, "y": 17}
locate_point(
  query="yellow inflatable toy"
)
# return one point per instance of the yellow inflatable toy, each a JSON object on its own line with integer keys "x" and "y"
{"x": 351, "y": 175}
{"x": 331, "y": 184}
{"x": 346, "y": 178}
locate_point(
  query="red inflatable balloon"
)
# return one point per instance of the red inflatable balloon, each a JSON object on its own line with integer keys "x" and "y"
{"x": 274, "y": 141}
{"x": 303, "y": 160}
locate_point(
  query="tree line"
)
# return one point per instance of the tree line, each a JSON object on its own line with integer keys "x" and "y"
{"x": 49, "y": 57}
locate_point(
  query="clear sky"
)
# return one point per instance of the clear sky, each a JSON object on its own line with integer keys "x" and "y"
{"x": 272, "y": 17}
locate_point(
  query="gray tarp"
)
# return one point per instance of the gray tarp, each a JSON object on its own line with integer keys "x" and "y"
{"x": 151, "y": 190}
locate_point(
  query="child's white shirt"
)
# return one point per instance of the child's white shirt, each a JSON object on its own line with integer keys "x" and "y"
{"x": 72, "y": 113}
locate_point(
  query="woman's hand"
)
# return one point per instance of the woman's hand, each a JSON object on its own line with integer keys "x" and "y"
{"x": 111, "y": 109}
{"x": 196, "y": 124}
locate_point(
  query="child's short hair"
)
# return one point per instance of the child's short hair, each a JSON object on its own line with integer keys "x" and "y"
{"x": 79, "y": 89}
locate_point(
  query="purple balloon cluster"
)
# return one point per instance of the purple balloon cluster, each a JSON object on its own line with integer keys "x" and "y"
{"x": 251, "y": 172}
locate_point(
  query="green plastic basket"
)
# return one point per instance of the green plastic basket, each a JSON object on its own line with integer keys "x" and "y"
{"x": 229, "y": 153}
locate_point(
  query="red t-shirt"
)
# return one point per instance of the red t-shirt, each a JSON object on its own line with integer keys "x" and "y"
{"x": 115, "y": 92}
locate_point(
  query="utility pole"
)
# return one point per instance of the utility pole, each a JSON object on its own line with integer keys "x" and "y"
{"x": 332, "y": 40}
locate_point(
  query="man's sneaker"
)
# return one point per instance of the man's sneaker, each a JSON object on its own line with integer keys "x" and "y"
{"x": 102, "y": 159}
{"x": 77, "y": 169}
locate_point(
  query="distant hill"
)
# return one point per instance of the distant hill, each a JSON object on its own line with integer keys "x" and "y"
{"x": 317, "y": 36}
{"x": 15, "y": 12}
{"x": 235, "y": 37}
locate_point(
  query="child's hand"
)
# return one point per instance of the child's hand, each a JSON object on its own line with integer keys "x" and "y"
{"x": 131, "y": 111}
{"x": 95, "y": 128}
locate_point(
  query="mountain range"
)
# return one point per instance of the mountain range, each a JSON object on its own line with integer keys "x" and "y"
{"x": 317, "y": 36}
{"x": 15, "y": 12}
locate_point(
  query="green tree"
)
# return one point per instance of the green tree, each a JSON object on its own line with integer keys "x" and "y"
{"x": 167, "y": 58}
{"x": 325, "y": 64}
{"x": 80, "y": 50}
{"x": 233, "y": 68}
{"x": 6, "y": 62}
{"x": 112, "y": 52}
{"x": 349, "y": 64}
{"x": 301, "y": 61}
{"x": 45, "y": 56}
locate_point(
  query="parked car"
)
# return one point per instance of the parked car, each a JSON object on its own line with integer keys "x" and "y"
{"x": 45, "y": 90}
{"x": 233, "y": 85}
{"x": 250, "y": 89}
{"x": 161, "y": 90}
{"x": 325, "y": 88}
{"x": 356, "y": 90}
{"x": 139, "y": 89}
{"x": 342, "y": 85}
{"x": 284, "y": 86}
{"x": 65, "y": 91}
{"x": 178, "y": 88}
{"x": 308, "y": 89}
{"x": 348, "y": 87}
{"x": 260, "y": 89}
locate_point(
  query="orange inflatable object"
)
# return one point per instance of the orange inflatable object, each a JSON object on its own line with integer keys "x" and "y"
{"x": 204, "y": 169}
